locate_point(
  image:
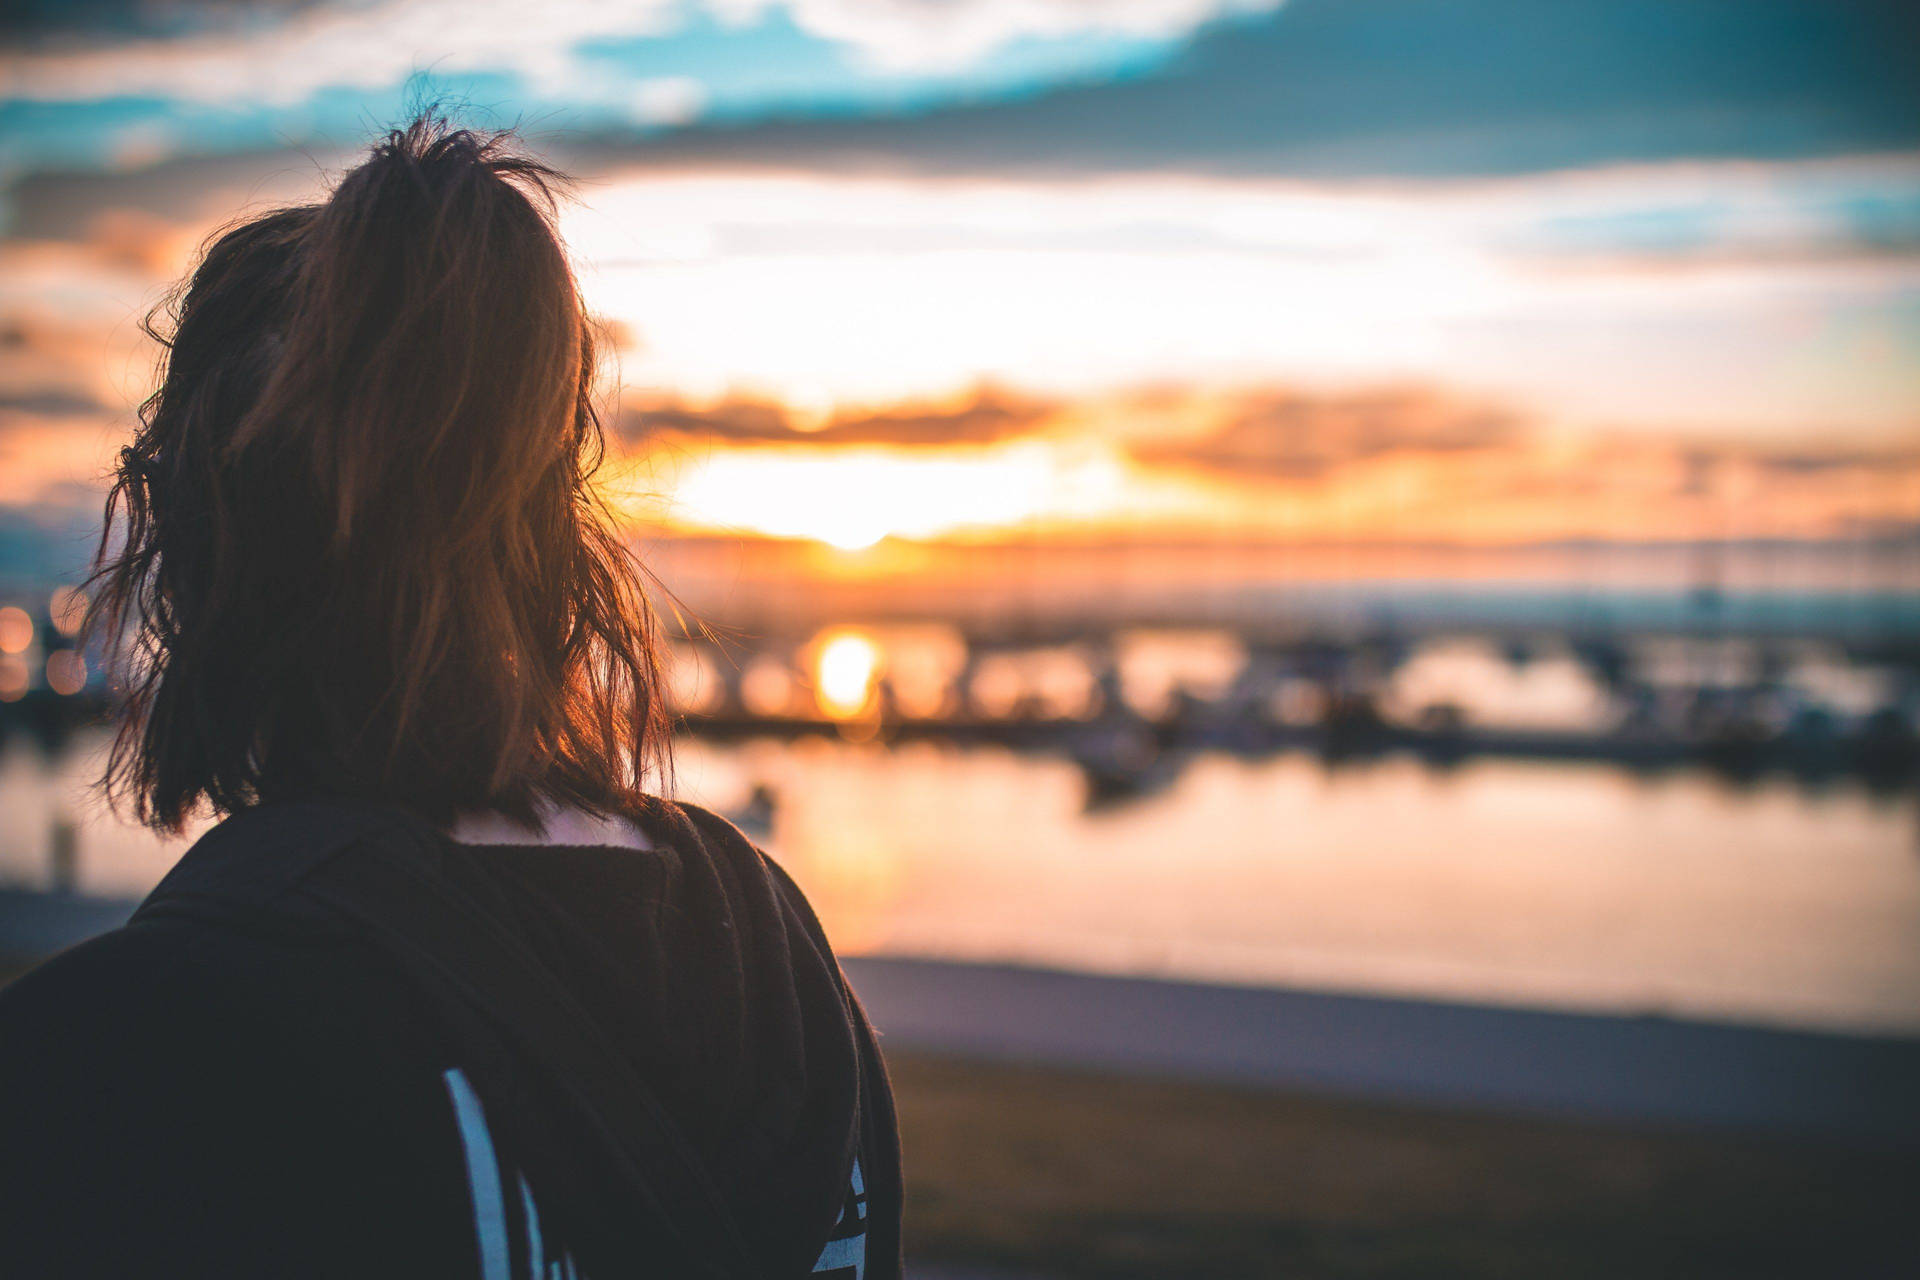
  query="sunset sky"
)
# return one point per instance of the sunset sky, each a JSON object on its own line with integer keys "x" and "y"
{"x": 1487, "y": 272}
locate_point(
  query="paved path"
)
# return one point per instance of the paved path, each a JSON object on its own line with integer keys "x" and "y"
{"x": 1583, "y": 1065}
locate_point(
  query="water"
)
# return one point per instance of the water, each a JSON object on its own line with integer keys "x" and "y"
{"x": 1542, "y": 884}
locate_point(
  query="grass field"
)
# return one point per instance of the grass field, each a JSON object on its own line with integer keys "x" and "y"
{"x": 1069, "y": 1174}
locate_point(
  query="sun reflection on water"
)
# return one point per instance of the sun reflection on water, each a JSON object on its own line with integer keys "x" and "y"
{"x": 846, "y": 667}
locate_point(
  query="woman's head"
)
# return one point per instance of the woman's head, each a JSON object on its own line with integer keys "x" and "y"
{"x": 358, "y": 552}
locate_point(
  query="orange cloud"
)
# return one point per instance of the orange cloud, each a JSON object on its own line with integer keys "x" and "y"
{"x": 1390, "y": 466}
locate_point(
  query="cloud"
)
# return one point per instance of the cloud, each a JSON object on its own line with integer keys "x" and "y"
{"x": 937, "y": 35}
{"x": 186, "y": 191}
{"x": 125, "y": 19}
{"x": 1315, "y": 88}
{"x": 61, "y": 371}
{"x": 986, "y": 416}
{"x": 1294, "y": 435}
{"x": 221, "y": 53}
{"x": 821, "y": 289}
{"x": 51, "y": 402}
{"x": 1356, "y": 88}
{"x": 668, "y": 100}
{"x": 289, "y": 57}
{"x": 56, "y": 463}
{"x": 1424, "y": 465}
{"x": 1386, "y": 466}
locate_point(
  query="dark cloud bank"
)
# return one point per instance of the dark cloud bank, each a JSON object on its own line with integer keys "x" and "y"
{"x": 1345, "y": 89}
{"x": 1371, "y": 88}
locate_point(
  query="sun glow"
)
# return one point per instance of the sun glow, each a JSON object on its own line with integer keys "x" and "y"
{"x": 851, "y": 498}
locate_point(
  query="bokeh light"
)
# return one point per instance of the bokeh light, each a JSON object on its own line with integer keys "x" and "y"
{"x": 68, "y": 608}
{"x": 16, "y": 629}
{"x": 66, "y": 672}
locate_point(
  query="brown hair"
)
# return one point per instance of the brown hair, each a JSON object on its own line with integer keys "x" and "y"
{"x": 361, "y": 553}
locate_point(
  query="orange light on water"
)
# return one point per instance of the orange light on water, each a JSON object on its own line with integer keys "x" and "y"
{"x": 13, "y": 678}
{"x": 845, "y": 669}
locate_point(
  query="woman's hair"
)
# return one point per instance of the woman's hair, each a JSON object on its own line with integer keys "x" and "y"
{"x": 361, "y": 556}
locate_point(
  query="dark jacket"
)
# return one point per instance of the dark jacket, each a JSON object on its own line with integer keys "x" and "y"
{"x": 333, "y": 1042}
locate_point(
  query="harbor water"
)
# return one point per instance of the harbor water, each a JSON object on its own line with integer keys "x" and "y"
{"x": 1535, "y": 883}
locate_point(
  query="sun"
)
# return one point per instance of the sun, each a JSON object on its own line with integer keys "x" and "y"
{"x": 851, "y": 498}
{"x": 849, "y": 530}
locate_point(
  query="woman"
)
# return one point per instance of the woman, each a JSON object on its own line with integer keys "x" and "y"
{"x": 448, "y": 993}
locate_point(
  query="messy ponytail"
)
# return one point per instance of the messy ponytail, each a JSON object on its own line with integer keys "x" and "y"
{"x": 358, "y": 553}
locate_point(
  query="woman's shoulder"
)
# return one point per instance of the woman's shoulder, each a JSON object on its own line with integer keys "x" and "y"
{"x": 116, "y": 1032}
{"x": 173, "y": 995}
{"x": 126, "y": 984}
{"x": 208, "y": 1094}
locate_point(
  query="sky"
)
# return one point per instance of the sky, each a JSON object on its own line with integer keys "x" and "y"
{"x": 1486, "y": 272}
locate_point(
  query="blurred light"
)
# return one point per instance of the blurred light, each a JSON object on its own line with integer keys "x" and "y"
{"x": 13, "y": 678}
{"x": 766, "y": 688}
{"x": 996, "y": 687}
{"x": 844, "y": 673}
{"x": 69, "y": 608}
{"x": 16, "y": 629}
{"x": 1155, "y": 665}
{"x": 923, "y": 662}
{"x": 66, "y": 672}
{"x": 1048, "y": 682}
{"x": 692, "y": 684}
